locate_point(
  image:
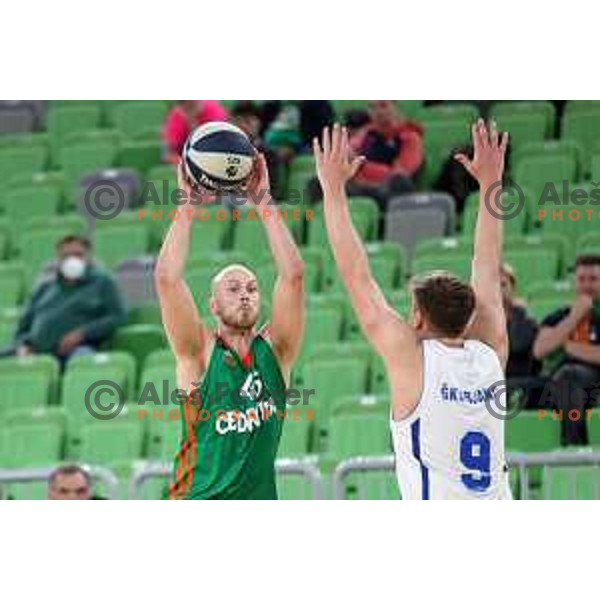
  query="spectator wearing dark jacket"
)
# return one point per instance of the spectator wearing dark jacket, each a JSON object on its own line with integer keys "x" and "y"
{"x": 522, "y": 330}
{"x": 74, "y": 311}
{"x": 572, "y": 336}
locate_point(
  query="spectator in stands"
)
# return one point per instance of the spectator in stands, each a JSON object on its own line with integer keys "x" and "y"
{"x": 454, "y": 180}
{"x": 248, "y": 117}
{"x": 74, "y": 311}
{"x": 572, "y": 336}
{"x": 294, "y": 124}
{"x": 393, "y": 148}
{"x": 522, "y": 330}
{"x": 183, "y": 118}
{"x": 69, "y": 482}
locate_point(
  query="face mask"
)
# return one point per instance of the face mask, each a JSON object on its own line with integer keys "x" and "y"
{"x": 72, "y": 267}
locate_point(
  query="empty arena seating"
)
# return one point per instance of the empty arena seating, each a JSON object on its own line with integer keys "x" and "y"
{"x": 52, "y": 154}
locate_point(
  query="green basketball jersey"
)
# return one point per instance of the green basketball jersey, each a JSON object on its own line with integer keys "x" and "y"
{"x": 231, "y": 427}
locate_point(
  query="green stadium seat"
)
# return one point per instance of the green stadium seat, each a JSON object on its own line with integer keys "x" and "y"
{"x": 266, "y": 276}
{"x": 514, "y": 227}
{"x": 21, "y": 161}
{"x": 199, "y": 281}
{"x": 29, "y": 139}
{"x": 76, "y": 160}
{"x": 158, "y": 193}
{"x": 525, "y": 121}
{"x": 554, "y": 243}
{"x": 211, "y": 234}
{"x": 9, "y": 319}
{"x": 362, "y": 404}
{"x": 37, "y": 245}
{"x": 364, "y": 218}
{"x": 531, "y": 432}
{"x": 447, "y": 246}
{"x": 139, "y": 341}
{"x": 583, "y": 127}
{"x": 333, "y": 350}
{"x": 120, "y": 438}
{"x": 571, "y": 483}
{"x": 68, "y": 119}
{"x": 593, "y": 428}
{"x": 164, "y": 434}
{"x": 296, "y": 215}
{"x": 296, "y": 435}
{"x": 540, "y": 309}
{"x": 121, "y": 242}
{"x": 31, "y": 445}
{"x": 138, "y": 118}
{"x": 446, "y": 128}
{"x": 535, "y": 167}
{"x": 534, "y": 265}
{"x": 331, "y": 379}
{"x": 588, "y": 243}
{"x": 162, "y": 172}
{"x": 294, "y": 487}
{"x": 562, "y": 290}
{"x": 531, "y": 108}
{"x": 378, "y": 382}
{"x": 409, "y": 108}
{"x": 324, "y": 326}
{"x": 160, "y": 358}
{"x": 458, "y": 264}
{"x": 388, "y": 251}
{"x": 83, "y": 372}
{"x": 358, "y": 435}
{"x": 249, "y": 237}
{"x": 372, "y": 486}
{"x": 34, "y": 201}
{"x": 400, "y": 300}
{"x": 5, "y": 239}
{"x": 94, "y": 136}
{"x": 576, "y": 106}
{"x": 145, "y": 314}
{"x": 141, "y": 155}
{"x": 11, "y": 284}
{"x": 313, "y": 263}
{"x": 158, "y": 403}
{"x": 28, "y": 381}
{"x": 42, "y": 418}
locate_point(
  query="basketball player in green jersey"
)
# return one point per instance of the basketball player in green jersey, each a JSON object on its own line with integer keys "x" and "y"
{"x": 235, "y": 377}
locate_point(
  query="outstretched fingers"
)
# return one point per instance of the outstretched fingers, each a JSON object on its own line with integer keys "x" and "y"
{"x": 326, "y": 142}
{"x": 504, "y": 143}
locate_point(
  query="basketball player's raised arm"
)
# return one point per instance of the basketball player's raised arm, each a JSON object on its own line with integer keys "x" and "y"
{"x": 391, "y": 337}
{"x": 288, "y": 311}
{"x": 186, "y": 333}
{"x": 487, "y": 167}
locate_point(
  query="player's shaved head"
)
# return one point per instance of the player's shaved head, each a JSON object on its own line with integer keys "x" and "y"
{"x": 235, "y": 297}
{"x": 231, "y": 270}
{"x": 445, "y": 303}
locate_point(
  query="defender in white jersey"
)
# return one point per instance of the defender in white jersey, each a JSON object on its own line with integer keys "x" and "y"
{"x": 445, "y": 364}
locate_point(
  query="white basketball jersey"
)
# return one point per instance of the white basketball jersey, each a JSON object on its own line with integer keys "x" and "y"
{"x": 451, "y": 447}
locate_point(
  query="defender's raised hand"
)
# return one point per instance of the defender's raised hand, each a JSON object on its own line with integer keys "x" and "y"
{"x": 334, "y": 160}
{"x": 487, "y": 164}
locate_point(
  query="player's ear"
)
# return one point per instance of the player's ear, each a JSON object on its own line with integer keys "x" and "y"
{"x": 418, "y": 320}
{"x": 212, "y": 303}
